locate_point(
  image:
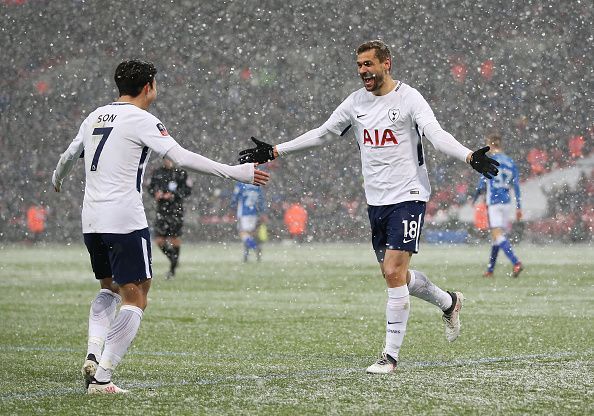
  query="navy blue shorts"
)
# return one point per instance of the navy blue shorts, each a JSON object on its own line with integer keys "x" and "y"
{"x": 396, "y": 227}
{"x": 125, "y": 257}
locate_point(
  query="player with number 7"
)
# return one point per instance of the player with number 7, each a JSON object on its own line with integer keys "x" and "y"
{"x": 117, "y": 140}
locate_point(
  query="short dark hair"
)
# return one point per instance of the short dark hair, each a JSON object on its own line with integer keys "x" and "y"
{"x": 382, "y": 52}
{"x": 131, "y": 76}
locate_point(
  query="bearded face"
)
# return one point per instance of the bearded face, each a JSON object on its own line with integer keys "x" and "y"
{"x": 371, "y": 70}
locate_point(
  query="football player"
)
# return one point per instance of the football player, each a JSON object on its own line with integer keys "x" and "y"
{"x": 498, "y": 198}
{"x": 170, "y": 186}
{"x": 117, "y": 140}
{"x": 250, "y": 208}
{"x": 389, "y": 118}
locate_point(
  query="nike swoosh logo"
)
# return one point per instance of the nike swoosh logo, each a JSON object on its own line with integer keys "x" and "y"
{"x": 407, "y": 241}
{"x": 395, "y": 322}
{"x": 361, "y": 115}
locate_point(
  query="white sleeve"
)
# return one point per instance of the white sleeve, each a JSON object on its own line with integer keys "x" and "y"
{"x": 197, "y": 163}
{"x": 445, "y": 142}
{"x": 69, "y": 157}
{"x": 338, "y": 123}
{"x": 312, "y": 138}
{"x": 430, "y": 128}
{"x": 155, "y": 135}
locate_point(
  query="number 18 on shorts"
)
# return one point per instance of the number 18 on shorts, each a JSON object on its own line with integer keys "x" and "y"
{"x": 396, "y": 227}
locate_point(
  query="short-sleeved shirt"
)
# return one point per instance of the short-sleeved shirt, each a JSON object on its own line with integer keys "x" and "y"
{"x": 499, "y": 187}
{"x": 117, "y": 140}
{"x": 388, "y": 130}
{"x": 249, "y": 200}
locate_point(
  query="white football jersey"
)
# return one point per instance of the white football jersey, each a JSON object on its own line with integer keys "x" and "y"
{"x": 388, "y": 130}
{"x": 117, "y": 140}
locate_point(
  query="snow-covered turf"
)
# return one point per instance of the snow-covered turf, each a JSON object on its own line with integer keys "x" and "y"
{"x": 293, "y": 334}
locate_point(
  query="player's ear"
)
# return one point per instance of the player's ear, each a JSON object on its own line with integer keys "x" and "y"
{"x": 149, "y": 86}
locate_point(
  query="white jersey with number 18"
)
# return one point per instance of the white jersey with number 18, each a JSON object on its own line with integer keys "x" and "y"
{"x": 117, "y": 140}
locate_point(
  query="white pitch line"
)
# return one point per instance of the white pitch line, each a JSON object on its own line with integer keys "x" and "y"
{"x": 560, "y": 354}
{"x": 239, "y": 378}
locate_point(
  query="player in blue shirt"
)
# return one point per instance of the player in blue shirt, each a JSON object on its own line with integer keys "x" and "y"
{"x": 499, "y": 203}
{"x": 250, "y": 206}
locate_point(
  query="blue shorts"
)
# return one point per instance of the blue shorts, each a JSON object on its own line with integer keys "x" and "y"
{"x": 125, "y": 257}
{"x": 396, "y": 227}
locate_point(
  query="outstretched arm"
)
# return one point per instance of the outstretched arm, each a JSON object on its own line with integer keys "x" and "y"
{"x": 67, "y": 161}
{"x": 308, "y": 140}
{"x": 189, "y": 160}
{"x": 264, "y": 152}
{"x": 445, "y": 142}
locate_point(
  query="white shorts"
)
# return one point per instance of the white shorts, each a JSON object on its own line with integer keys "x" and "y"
{"x": 499, "y": 216}
{"x": 247, "y": 223}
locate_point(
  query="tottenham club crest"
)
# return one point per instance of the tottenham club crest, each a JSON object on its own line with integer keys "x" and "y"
{"x": 393, "y": 114}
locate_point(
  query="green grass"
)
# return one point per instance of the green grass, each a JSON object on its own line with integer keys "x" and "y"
{"x": 294, "y": 334}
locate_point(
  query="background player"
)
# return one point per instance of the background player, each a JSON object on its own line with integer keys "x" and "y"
{"x": 117, "y": 140}
{"x": 169, "y": 186}
{"x": 249, "y": 200}
{"x": 389, "y": 118}
{"x": 498, "y": 201}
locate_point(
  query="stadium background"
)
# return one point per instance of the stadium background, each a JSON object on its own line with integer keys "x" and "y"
{"x": 232, "y": 69}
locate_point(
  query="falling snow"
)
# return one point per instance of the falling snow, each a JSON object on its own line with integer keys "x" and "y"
{"x": 232, "y": 69}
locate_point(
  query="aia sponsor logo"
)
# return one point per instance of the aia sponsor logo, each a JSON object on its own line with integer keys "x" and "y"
{"x": 379, "y": 138}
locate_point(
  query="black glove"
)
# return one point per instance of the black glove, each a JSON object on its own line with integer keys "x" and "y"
{"x": 483, "y": 163}
{"x": 262, "y": 153}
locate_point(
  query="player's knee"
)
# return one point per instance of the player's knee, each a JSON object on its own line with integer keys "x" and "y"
{"x": 395, "y": 276}
{"x": 101, "y": 302}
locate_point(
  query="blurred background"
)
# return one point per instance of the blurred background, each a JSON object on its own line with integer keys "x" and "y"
{"x": 229, "y": 70}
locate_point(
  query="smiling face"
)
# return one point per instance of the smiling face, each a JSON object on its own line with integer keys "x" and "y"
{"x": 373, "y": 72}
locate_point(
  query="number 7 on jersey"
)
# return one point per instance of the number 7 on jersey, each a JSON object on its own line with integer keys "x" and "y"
{"x": 104, "y": 132}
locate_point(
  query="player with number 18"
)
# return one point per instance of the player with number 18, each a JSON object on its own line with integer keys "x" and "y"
{"x": 389, "y": 118}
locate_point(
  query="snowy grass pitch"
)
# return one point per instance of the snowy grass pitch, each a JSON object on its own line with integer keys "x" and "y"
{"x": 294, "y": 334}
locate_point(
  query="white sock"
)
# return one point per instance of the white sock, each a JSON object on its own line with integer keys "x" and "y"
{"x": 119, "y": 338}
{"x": 397, "y": 311}
{"x": 421, "y": 287}
{"x": 101, "y": 315}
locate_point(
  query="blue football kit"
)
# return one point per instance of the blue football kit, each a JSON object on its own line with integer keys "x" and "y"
{"x": 498, "y": 198}
{"x": 249, "y": 200}
{"x": 498, "y": 189}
